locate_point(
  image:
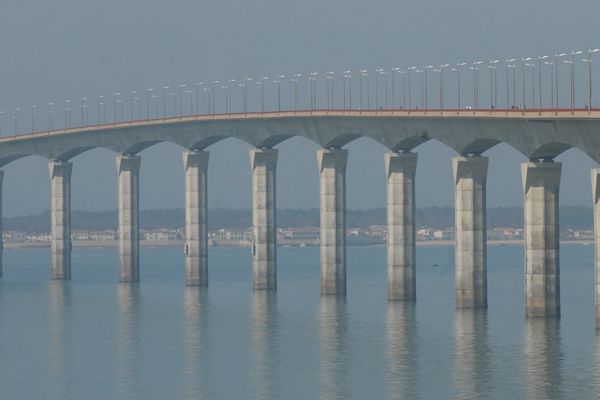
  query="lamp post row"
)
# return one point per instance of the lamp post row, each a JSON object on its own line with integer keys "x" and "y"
{"x": 193, "y": 93}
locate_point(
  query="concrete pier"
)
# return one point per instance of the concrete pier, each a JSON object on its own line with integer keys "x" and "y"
{"x": 128, "y": 168}
{"x": 1, "y": 229}
{"x": 541, "y": 181}
{"x": 400, "y": 169}
{"x": 470, "y": 175}
{"x": 332, "y": 171}
{"x": 60, "y": 177}
{"x": 596, "y": 205}
{"x": 264, "y": 228}
{"x": 195, "y": 164}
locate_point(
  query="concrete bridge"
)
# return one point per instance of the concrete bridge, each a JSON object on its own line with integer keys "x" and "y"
{"x": 540, "y": 135}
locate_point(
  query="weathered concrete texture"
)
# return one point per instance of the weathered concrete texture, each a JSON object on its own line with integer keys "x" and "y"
{"x": 264, "y": 228}
{"x": 1, "y": 230}
{"x": 596, "y": 203}
{"x": 60, "y": 176}
{"x": 470, "y": 175}
{"x": 128, "y": 168}
{"x": 400, "y": 169}
{"x": 332, "y": 170}
{"x": 541, "y": 181}
{"x": 195, "y": 164}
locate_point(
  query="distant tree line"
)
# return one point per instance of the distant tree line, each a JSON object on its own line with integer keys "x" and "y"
{"x": 575, "y": 217}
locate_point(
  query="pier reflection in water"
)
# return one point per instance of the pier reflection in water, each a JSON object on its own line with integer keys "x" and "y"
{"x": 401, "y": 351}
{"x": 542, "y": 359}
{"x": 129, "y": 343}
{"x": 196, "y": 370}
{"x": 265, "y": 345}
{"x": 333, "y": 348}
{"x": 472, "y": 378}
{"x": 60, "y": 339}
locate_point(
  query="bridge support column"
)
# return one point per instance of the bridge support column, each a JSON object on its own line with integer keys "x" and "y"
{"x": 1, "y": 230}
{"x": 470, "y": 174}
{"x": 541, "y": 181}
{"x": 596, "y": 202}
{"x": 128, "y": 167}
{"x": 264, "y": 228}
{"x": 195, "y": 164}
{"x": 60, "y": 176}
{"x": 332, "y": 169}
{"x": 400, "y": 169}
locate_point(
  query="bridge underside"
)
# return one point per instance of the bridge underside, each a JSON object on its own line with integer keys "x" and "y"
{"x": 539, "y": 137}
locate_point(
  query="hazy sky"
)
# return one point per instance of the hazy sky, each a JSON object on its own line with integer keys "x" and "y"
{"x": 67, "y": 49}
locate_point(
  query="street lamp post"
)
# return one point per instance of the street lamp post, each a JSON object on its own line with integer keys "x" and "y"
{"x": 422, "y": 72}
{"x": 197, "y": 87}
{"x": 348, "y": 76}
{"x": 1, "y": 121}
{"x": 278, "y": 81}
{"x": 230, "y": 93}
{"x": 589, "y": 61}
{"x": 551, "y": 81}
{"x": 191, "y": 93}
{"x": 213, "y": 93}
{"x": 394, "y": 71}
{"x": 172, "y": 95}
{"x": 50, "y": 117}
{"x": 556, "y": 57}
{"x": 67, "y": 114}
{"x": 494, "y": 71}
{"x": 409, "y": 86}
{"x": 312, "y": 80}
{"x": 385, "y": 81}
{"x": 508, "y": 65}
{"x": 475, "y": 69}
{"x": 523, "y": 62}
{"x": 15, "y": 118}
{"x": 121, "y": 107}
{"x": 329, "y": 81}
{"x": 425, "y": 90}
{"x": 294, "y": 81}
{"x": 164, "y": 95}
{"x": 207, "y": 90}
{"x": 457, "y": 70}
{"x": 148, "y": 96}
{"x": 32, "y": 114}
{"x": 532, "y": 66}
{"x": 572, "y": 62}
{"x": 226, "y": 98}
{"x": 115, "y": 102}
{"x": 540, "y": 58}
{"x": 155, "y": 97}
{"x": 378, "y": 72}
{"x": 83, "y": 111}
{"x": 131, "y": 96}
{"x": 363, "y": 74}
{"x": 441, "y": 71}
{"x": 182, "y": 86}
{"x": 261, "y": 82}
{"x": 245, "y": 89}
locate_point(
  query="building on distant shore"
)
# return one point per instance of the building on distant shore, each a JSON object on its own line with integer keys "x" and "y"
{"x": 14, "y": 237}
{"x": 163, "y": 234}
{"x": 231, "y": 234}
{"x": 302, "y": 233}
{"x": 505, "y": 234}
{"x": 38, "y": 238}
{"x": 443, "y": 234}
{"x": 103, "y": 235}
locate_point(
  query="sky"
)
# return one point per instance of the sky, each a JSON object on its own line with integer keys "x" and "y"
{"x": 67, "y": 49}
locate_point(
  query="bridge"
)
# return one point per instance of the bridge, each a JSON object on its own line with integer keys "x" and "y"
{"x": 539, "y": 134}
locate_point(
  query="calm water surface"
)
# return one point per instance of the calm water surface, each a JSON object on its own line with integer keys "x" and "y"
{"x": 93, "y": 338}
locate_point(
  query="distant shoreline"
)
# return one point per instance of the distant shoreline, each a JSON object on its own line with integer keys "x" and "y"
{"x": 231, "y": 243}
